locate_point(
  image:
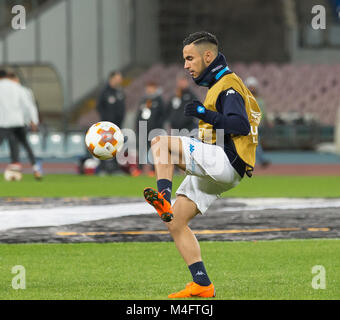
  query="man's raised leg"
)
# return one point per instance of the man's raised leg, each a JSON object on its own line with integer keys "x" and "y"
{"x": 166, "y": 152}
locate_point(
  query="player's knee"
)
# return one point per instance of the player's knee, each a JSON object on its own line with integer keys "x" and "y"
{"x": 155, "y": 140}
{"x": 176, "y": 225}
{"x": 159, "y": 141}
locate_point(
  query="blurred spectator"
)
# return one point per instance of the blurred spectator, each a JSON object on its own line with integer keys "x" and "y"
{"x": 151, "y": 111}
{"x": 111, "y": 102}
{"x": 336, "y": 7}
{"x": 4, "y": 132}
{"x": 175, "y": 108}
{"x": 18, "y": 109}
{"x": 252, "y": 84}
{"x": 111, "y": 107}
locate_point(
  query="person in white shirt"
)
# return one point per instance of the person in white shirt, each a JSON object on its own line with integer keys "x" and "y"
{"x": 17, "y": 109}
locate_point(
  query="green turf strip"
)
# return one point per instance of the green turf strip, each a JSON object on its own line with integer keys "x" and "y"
{"x": 239, "y": 270}
{"x": 125, "y": 186}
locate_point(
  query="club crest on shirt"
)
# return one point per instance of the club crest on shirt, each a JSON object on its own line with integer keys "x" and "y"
{"x": 111, "y": 99}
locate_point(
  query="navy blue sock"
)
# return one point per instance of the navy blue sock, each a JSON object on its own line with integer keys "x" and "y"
{"x": 165, "y": 185}
{"x": 199, "y": 274}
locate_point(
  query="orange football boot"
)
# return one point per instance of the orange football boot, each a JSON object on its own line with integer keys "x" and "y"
{"x": 193, "y": 289}
{"x": 157, "y": 200}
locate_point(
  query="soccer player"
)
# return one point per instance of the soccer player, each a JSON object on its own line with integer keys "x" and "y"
{"x": 17, "y": 109}
{"x": 229, "y": 111}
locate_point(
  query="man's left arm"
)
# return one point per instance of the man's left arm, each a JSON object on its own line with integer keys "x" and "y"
{"x": 29, "y": 107}
{"x": 231, "y": 115}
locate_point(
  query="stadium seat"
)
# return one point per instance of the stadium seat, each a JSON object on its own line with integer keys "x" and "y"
{"x": 55, "y": 145}
{"x": 75, "y": 145}
{"x": 37, "y": 143}
{"x": 4, "y": 149}
{"x": 334, "y": 34}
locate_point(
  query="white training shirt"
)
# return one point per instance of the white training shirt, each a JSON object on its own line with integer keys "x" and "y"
{"x": 34, "y": 112}
{"x": 16, "y": 107}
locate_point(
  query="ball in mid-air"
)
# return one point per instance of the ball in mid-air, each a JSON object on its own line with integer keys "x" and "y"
{"x": 104, "y": 139}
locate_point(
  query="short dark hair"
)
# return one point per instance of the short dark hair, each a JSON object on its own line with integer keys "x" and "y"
{"x": 11, "y": 75}
{"x": 151, "y": 83}
{"x": 113, "y": 73}
{"x": 200, "y": 37}
{"x": 3, "y": 73}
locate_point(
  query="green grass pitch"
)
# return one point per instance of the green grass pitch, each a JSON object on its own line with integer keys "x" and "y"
{"x": 125, "y": 186}
{"x": 239, "y": 270}
{"x": 150, "y": 271}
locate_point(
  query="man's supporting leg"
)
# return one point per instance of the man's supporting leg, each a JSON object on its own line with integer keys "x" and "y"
{"x": 183, "y": 236}
{"x": 185, "y": 240}
{"x": 13, "y": 146}
{"x": 20, "y": 134}
{"x": 167, "y": 151}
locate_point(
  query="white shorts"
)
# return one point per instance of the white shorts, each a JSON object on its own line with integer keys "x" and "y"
{"x": 209, "y": 173}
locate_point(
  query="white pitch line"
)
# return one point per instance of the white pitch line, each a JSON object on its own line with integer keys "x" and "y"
{"x": 258, "y": 204}
{"x": 57, "y": 216}
{"x": 68, "y": 215}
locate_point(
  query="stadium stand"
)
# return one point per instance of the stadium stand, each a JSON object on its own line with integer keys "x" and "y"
{"x": 301, "y": 99}
{"x": 328, "y": 37}
{"x": 231, "y": 22}
{"x": 309, "y": 89}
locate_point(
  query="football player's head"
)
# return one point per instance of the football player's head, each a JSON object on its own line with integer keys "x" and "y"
{"x": 199, "y": 50}
{"x": 12, "y": 76}
{"x": 151, "y": 88}
{"x": 252, "y": 84}
{"x": 115, "y": 79}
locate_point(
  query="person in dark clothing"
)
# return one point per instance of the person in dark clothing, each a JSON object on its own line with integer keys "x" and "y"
{"x": 151, "y": 111}
{"x": 111, "y": 102}
{"x": 111, "y": 107}
{"x": 175, "y": 107}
